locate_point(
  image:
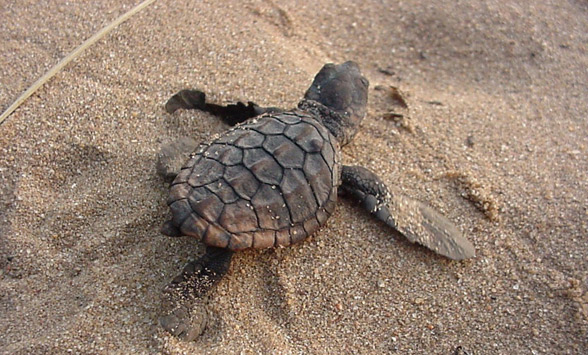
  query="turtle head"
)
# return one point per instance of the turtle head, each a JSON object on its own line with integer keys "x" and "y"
{"x": 338, "y": 95}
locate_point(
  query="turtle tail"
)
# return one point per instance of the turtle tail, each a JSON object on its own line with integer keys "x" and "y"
{"x": 170, "y": 229}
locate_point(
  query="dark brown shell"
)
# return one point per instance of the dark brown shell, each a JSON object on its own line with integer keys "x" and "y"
{"x": 271, "y": 181}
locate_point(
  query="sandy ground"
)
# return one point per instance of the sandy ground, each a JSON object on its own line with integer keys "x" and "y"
{"x": 494, "y": 136}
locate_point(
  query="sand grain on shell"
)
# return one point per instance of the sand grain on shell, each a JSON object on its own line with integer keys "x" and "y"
{"x": 496, "y": 97}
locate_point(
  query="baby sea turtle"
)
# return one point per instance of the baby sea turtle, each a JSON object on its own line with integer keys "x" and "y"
{"x": 273, "y": 180}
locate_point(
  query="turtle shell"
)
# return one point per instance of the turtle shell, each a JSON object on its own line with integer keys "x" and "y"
{"x": 271, "y": 181}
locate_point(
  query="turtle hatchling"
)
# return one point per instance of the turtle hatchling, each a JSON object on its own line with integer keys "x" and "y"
{"x": 273, "y": 179}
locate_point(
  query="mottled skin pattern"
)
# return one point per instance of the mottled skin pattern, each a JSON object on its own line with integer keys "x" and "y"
{"x": 273, "y": 179}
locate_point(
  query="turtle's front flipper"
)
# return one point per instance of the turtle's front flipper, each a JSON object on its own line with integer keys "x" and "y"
{"x": 415, "y": 220}
{"x": 185, "y": 295}
{"x": 231, "y": 114}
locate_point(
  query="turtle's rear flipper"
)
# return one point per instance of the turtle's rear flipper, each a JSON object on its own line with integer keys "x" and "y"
{"x": 185, "y": 296}
{"x": 231, "y": 114}
{"x": 200, "y": 275}
{"x": 415, "y": 220}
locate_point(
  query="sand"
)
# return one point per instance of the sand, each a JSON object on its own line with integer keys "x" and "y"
{"x": 494, "y": 137}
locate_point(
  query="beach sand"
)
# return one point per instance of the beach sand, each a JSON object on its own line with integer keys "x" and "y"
{"x": 494, "y": 137}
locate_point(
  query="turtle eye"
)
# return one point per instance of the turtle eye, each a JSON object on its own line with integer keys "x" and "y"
{"x": 365, "y": 82}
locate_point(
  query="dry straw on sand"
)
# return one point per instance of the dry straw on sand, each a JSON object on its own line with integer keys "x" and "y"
{"x": 73, "y": 55}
